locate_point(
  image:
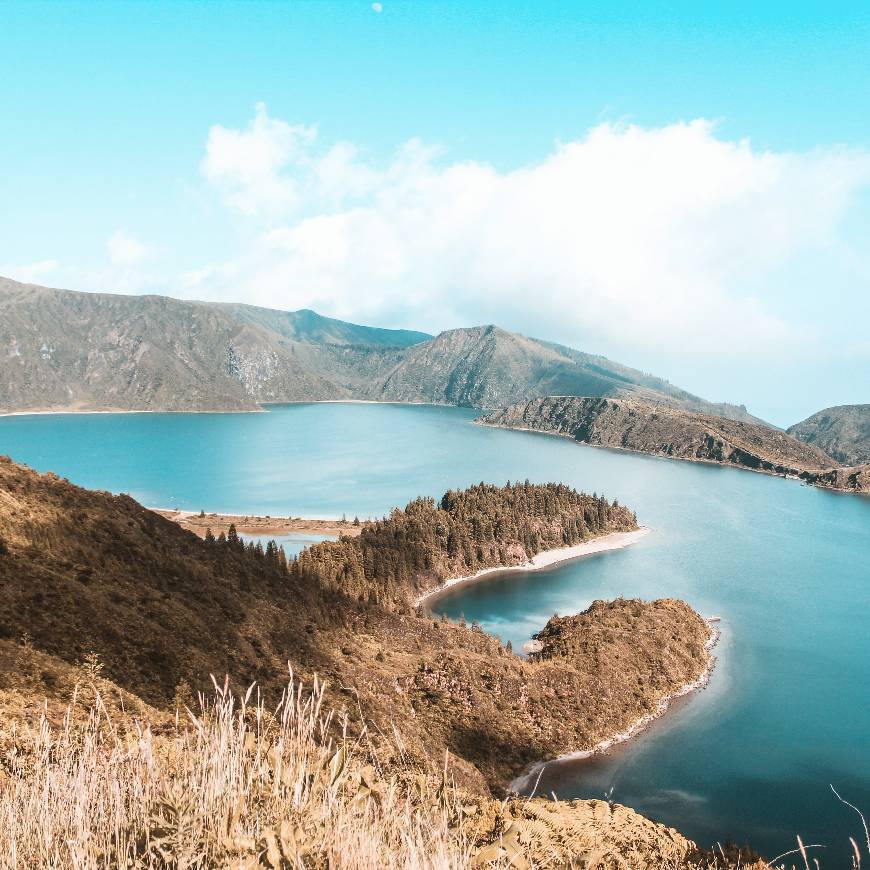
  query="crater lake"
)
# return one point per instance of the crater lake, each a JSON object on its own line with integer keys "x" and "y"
{"x": 786, "y": 566}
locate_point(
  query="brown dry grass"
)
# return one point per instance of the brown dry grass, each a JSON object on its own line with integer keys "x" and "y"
{"x": 239, "y": 786}
{"x": 235, "y": 785}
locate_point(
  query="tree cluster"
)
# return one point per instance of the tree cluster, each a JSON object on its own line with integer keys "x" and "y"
{"x": 483, "y": 526}
{"x": 272, "y": 554}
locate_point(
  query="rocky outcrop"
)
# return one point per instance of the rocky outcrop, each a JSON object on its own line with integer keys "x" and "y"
{"x": 855, "y": 479}
{"x": 661, "y": 430}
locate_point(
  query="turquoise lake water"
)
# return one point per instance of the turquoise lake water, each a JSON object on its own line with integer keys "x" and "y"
{"x": 293, "y": 543}
{"x": 786, "y": 566}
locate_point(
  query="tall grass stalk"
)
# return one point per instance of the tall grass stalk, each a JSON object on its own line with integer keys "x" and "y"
{"x": 233, "y": 785}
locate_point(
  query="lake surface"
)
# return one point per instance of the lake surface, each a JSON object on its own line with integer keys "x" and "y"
{"x": 786, "y": 566}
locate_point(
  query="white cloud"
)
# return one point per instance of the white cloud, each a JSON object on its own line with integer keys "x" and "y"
{"x": 29, "y": 273}
{"x": 378, "y": 7}
{"x": 124, "y": 249}
{"x": 246, "y": 164}
{"x": 648, "y": 238}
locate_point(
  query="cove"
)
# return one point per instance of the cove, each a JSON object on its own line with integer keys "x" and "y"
{"x": 786, "y": 566}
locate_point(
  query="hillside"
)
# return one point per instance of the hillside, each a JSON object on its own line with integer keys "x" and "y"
{"x": 842, "y": 431}
{"x": 236, "y": 783}
{"x": 87, "y": 573}
{"x": 65, "y": 350}
{"x": 84, "y": 351}
{"x": 661, "y": 430}
{"x": 488, "y": 367}
{"x": 313, "y": 328}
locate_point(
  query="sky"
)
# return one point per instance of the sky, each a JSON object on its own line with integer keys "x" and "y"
{"x": 682, "y": 187}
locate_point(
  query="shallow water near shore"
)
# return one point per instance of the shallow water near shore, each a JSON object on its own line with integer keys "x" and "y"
{"x": 786, "y": 566}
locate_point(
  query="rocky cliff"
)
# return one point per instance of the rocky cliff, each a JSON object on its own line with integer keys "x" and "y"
{"x": 662, "y": 430}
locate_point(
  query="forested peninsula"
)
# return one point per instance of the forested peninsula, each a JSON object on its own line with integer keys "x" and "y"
{"x": 410, "y": 552}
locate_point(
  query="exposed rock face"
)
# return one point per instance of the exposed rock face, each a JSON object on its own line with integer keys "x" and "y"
{"x": 83, "y": 351}
{"x": 842, "y": 431}
{"x": 854, "y": 479}
{"x": 80, "y": 351}
{"x": 666, "y": 431}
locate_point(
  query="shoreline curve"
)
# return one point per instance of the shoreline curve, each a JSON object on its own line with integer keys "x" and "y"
{"x": 545, "y": 559}
{"x": 532, "y": 773}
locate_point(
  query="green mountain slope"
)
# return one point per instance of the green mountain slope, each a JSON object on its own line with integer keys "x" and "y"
{"x": 489, "y": 367}
{"x": 309, "y": 326}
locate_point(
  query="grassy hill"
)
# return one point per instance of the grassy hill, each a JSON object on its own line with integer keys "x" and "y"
{"x": 842, "y": 431}
{"x": 231, "y": 782}
{"x": 87, "y": 573}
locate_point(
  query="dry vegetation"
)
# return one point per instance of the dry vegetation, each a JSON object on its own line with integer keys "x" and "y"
{"x": 234, "y": 785}
{"x": 432, "y": 718}
{"x": 239, "y": 785}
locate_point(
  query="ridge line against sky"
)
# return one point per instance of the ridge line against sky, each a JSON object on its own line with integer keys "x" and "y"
{"x": 684, "y": 193}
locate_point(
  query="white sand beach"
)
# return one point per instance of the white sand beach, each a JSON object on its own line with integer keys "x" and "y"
{"x": 546, "y": 558}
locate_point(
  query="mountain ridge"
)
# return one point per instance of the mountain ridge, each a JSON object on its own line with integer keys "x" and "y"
{"x": 69, "y": 351}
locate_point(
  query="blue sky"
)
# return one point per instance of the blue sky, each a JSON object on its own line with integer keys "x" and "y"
{"x": 540, "y": 165}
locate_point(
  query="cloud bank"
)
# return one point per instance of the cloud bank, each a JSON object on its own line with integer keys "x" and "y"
{"x": 630, "y": 236}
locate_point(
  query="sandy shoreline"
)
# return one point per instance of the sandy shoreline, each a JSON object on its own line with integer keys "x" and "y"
{"x": 262, "y": 407}
{"x": 529, "y": 777}
{"x": 546, "y": 558}
{"x": 258, "y": 525}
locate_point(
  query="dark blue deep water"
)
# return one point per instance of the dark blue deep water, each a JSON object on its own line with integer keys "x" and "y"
{"x": 786, "y": 566}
